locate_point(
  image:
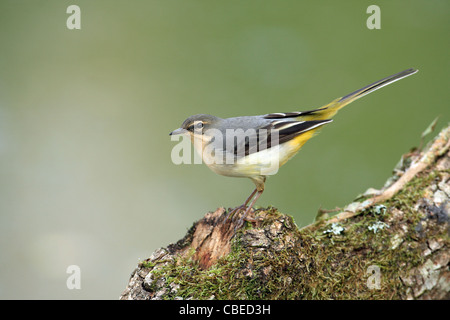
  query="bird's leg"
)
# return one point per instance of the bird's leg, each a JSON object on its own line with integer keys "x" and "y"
{"x": 241, "y": 220}
{"x": 237, "y": 209}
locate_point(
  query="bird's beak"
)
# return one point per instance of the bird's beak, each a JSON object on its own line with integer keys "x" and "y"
{"x": 177, "y": 131}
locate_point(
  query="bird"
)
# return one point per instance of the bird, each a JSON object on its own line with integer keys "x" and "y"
{"x": 257, "y": 146}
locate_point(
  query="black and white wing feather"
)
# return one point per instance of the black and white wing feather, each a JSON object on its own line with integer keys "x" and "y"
{"x": 277, "y": 132}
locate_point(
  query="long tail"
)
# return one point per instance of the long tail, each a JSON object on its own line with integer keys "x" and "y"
{"x": 329, "y": 110}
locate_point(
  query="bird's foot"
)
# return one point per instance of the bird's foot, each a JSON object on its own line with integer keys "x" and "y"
{"x": 245, "y": 217}
{"x": 234, "y": 212}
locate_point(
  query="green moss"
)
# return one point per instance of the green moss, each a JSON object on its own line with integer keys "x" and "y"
{"x": 146, "y": 264}
{"x": 193, "y": 282}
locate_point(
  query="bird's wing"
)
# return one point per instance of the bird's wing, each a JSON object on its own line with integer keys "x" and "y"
{"x": 288, "y": 130}
{"x": 242, "y": 142}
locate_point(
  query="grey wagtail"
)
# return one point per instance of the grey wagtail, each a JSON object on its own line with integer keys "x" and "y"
{"x": 256, "y": 146}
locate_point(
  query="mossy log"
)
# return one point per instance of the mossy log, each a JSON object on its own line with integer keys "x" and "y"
{"x": 388, "y": 244}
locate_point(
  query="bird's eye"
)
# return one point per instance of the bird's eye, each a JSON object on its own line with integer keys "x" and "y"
{"x": 198, "y": 125}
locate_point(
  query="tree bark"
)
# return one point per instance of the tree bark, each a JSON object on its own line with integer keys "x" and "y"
{"x": 388, "y": 244}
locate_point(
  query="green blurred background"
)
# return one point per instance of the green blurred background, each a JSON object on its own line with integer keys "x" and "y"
{"x": 86, "y": 176}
